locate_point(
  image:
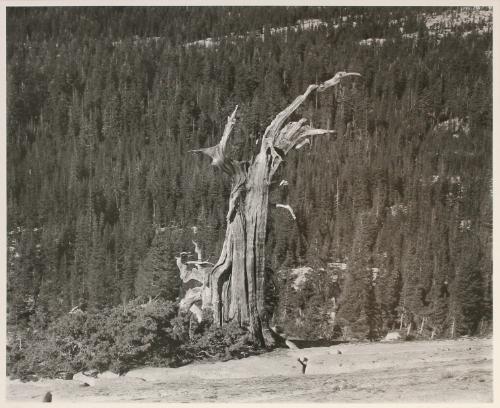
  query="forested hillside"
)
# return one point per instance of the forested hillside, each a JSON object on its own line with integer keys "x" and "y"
{"x": 104, "y": 105}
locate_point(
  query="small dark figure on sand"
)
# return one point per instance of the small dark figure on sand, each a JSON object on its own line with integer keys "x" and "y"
{"x": 304, "y": 364}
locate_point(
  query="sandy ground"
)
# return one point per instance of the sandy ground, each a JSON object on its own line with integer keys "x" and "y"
{"x": 423, "y": 371}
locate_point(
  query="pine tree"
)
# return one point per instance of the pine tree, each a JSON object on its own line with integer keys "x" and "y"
{"x": 358, "y": 302}
{"x": 468, "y": 293}
{"x": 157, "y": 275}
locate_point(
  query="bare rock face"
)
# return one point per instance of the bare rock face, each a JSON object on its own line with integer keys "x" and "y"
{"x": 392, "y": 336}
{"x": 299, "y": 290}
{"x": 64, "y": 375}
{"x": 108, "y": 375}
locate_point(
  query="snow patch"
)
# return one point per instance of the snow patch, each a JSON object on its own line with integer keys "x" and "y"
{"x": 373, "y": 41}
{"x": 410, "y": 36}
{"x": 207, "y": 43}
{"x": 398, "y": 209}
{"x": 392, "y": 336}
{"x": 311, "y": 24}
{"x": 466, "y": 15}
{"x": 454, "y": 125}
{"x": 305, "y": 25}
{"x": 465, "y": 225}
{"x": 441, "y": 25}
{"x": 338, "y": 265}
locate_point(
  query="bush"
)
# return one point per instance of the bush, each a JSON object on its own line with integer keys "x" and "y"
{"x": 121, "y": 338}
{"x": 137, "y": 334}
{"x": 221, "y": 343}
{"x": 115, "y": 339}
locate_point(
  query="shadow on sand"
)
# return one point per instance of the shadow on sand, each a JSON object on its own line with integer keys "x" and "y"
{"x": 316, "y": 343}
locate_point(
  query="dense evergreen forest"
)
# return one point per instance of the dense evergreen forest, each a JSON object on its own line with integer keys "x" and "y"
{"x": 393, "y": 214}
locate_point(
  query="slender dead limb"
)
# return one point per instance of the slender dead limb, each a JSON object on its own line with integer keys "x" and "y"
{"x": 287, "y": 207}
{"x": 303, "y": 143}
{"x": 275, "y": 126}
{"x": 335, "y": 80}
{"x": 422, "y": 326}
{"x": 218, "y": 152}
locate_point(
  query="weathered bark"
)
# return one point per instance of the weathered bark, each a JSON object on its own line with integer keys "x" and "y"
{"x": 236, "y": 282}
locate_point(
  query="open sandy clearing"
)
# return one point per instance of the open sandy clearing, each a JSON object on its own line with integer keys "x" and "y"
{"x": 424, "y": 371}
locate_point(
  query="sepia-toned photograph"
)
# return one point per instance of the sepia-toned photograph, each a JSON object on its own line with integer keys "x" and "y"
{"x": 248, "y": 204}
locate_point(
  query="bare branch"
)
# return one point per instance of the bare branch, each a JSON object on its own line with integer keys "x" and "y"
{"x": 335, "y": 80}
{"x": 273, "y": 129}
{"x": 75, "y": 310}
{"x": 227, "y": 130}
{"x": 186, "y": 274}
{"x": 200, "y": 263}
{"x": 294, "y": 132}
{"x": 287, "y": 207}
{"x": 303, "y": 143}
{"x": 197, "y": 250}
{"x": 218, "y": 152}
{"x": 182, "y": 267}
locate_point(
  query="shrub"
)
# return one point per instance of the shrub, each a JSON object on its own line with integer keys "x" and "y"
{"x": 115, "y": 339}
{"x": 223, "y": 343}
{"x": 138, "y": 333}
{"x": 124, "y": 337}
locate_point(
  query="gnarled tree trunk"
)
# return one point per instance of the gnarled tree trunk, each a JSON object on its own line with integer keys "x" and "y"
{"x": 237, "y": 281}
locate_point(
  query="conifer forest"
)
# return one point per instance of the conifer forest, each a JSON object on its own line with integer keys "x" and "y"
{"x": 384, "y": 224}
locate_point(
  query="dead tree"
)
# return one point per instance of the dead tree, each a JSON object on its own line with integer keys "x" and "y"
{"x": 237, "y": 281}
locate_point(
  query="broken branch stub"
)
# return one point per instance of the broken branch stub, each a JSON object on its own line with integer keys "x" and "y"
{"x": 218, "y": 152}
